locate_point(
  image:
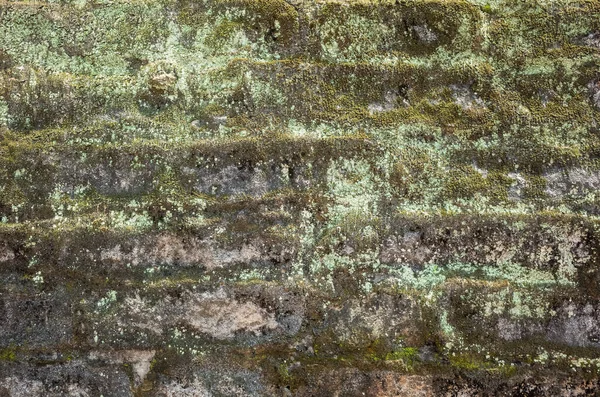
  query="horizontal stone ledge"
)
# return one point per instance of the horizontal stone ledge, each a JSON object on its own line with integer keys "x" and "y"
{"x": 233, "y": 167}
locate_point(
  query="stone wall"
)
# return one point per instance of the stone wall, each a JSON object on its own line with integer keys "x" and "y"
{"x": 301, "y": 198}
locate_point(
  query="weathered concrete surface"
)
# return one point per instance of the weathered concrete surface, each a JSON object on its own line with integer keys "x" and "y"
{"x": 299, "y": 198}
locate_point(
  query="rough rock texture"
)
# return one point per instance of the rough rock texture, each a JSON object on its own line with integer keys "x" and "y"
{"x": 299, "y": 198}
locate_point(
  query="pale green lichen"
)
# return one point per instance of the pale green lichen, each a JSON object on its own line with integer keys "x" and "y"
{"x": 105, "y": 302}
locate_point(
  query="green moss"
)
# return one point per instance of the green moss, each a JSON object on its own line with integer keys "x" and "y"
{"x": 408, "y": 356}
{"x": 465, "y": 182}
{"x": 466, "y": 362}
{"x": 487, "y": 8}
{"x": 284, "y": 374}
{"x": 8, "y": 354}
{"x": 222, "y": 33}
{"x": 535, "y": 188}
{"x": 276, "y": 19}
